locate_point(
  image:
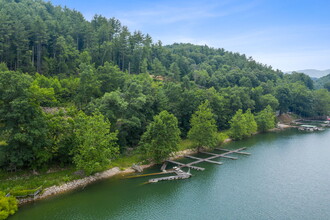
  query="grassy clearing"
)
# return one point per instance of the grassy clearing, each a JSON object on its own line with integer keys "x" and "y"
{"x": 127, "y": 161}
{"x": 186, "y": 144}
{"x": 24, "y": 180}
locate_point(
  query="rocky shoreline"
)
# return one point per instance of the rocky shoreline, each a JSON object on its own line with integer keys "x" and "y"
{"x": 80, "y": 183}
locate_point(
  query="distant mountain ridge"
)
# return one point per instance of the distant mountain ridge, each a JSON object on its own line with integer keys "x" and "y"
{"x": 313, "y": 72}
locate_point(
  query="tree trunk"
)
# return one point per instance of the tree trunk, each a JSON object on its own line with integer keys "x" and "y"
{"x": 39, "y": 58}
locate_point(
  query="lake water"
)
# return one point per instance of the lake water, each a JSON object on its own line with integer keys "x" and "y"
{"x": 287, "y": 176}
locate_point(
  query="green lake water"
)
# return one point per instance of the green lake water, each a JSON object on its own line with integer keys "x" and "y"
{"x": 287, "y": 176}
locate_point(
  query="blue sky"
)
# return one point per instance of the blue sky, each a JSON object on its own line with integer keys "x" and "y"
{"x": 286, "y": 34}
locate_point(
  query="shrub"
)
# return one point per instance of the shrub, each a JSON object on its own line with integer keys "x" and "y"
{"x": 8, "y": 206}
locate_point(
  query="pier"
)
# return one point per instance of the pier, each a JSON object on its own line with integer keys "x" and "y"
{"x": 183, "y": 175}
{"x": 180, "y": 174}
{"x": 208, "y": 159}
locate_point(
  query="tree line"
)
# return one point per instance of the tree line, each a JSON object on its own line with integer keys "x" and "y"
{"x": 82, "y": 92}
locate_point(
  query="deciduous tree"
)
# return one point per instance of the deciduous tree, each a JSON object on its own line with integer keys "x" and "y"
{"x": 96, "y": 146}
{"x": 203, "y": 127}
{"x": 265, "y": 119}
{"x": 238, "y": 128}
{"x": 162, "y": 137}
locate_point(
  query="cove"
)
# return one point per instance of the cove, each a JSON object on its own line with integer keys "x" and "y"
{"x": 285, "y": 177}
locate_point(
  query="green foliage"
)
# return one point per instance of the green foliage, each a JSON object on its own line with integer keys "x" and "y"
{"x": 301, "y": 78}
{"x": 265, "y": 119}
{"x": 323, "y": 83}
{"x": 301, "y": 100}
{"x": 268, "y": 99}
{"x": 99, "y": 65}
{"x": 3, "y": 67}
{"x": 238, "y": 128}
{"x": 327, "y": 86}
{"x": 28, "y": 145}
{"x": 242, "y": 125}
{"x": 321, "y": 103}
{"x": 203, "y": 130}
{"x": 62, "y": 135}
{"x": 162, "y": 137}
{"x": 125, "y": 161}
{"x": 283, "y": 94}
{"x": 96, "y": 146}
{"x": 185, "y": 144}
{"x": 42, "y": 96}
{"x": 89, "y": 85}
{"x": 251, "y": 125}
{"x": 222, "y": 136}
{"x": 25, "y": 192}
{"x": 8, "y": 206}
{"x": 24, "y": 180}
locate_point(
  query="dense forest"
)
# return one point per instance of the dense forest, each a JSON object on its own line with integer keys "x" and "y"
{"x": 82, "y": 92}
{"x": 323, "y": 82}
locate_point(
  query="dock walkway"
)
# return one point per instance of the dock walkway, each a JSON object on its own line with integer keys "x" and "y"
{"x": 183, "y": 175}
{"x": 180, "y": 174}
{"x": 209, "y": 159}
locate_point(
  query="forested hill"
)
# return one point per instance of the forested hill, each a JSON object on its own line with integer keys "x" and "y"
{"x": 313, "y": 73}
{"x": 39, "y": 37}
{"x": 323, "y": 82}
{"x": 61, "y": 75}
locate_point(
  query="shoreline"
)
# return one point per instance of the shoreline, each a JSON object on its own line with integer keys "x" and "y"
{"x": 83, "y": 182}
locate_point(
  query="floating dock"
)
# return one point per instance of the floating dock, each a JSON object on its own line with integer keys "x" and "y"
{"x": 183, "y": 175}
{"x": 180, "y": 174}
{"x": 209, "y": 159}
{"x": 309, "y": 128}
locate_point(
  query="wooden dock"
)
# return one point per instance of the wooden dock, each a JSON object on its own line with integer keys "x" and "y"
{"x": 179, "y": 176}
{"x": 189, "y": 165}
{"x": 183, "y": 175}
{"x": 219, "y": 155}
{"x": 234, "y": 151}
{"x": 208, "y": 159}
{"x": 156, "y": 180}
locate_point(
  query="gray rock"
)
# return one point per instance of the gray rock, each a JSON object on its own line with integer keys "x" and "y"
{"x": 137, "y": 168}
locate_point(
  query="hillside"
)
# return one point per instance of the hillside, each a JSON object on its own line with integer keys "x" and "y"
{"x": 313, "y": 72}
{"x": 323, "y": 82}
{"x": 98, "y": 75}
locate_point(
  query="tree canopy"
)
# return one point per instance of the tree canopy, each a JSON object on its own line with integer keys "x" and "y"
{"x": 161, "y": 137}
{"x": 59, "y": 73}
{"x": 95, "y": 146}
{"x": 265, "y": 119}
{"x": 242, "y": 125}
{"x": 203, "y": 127}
